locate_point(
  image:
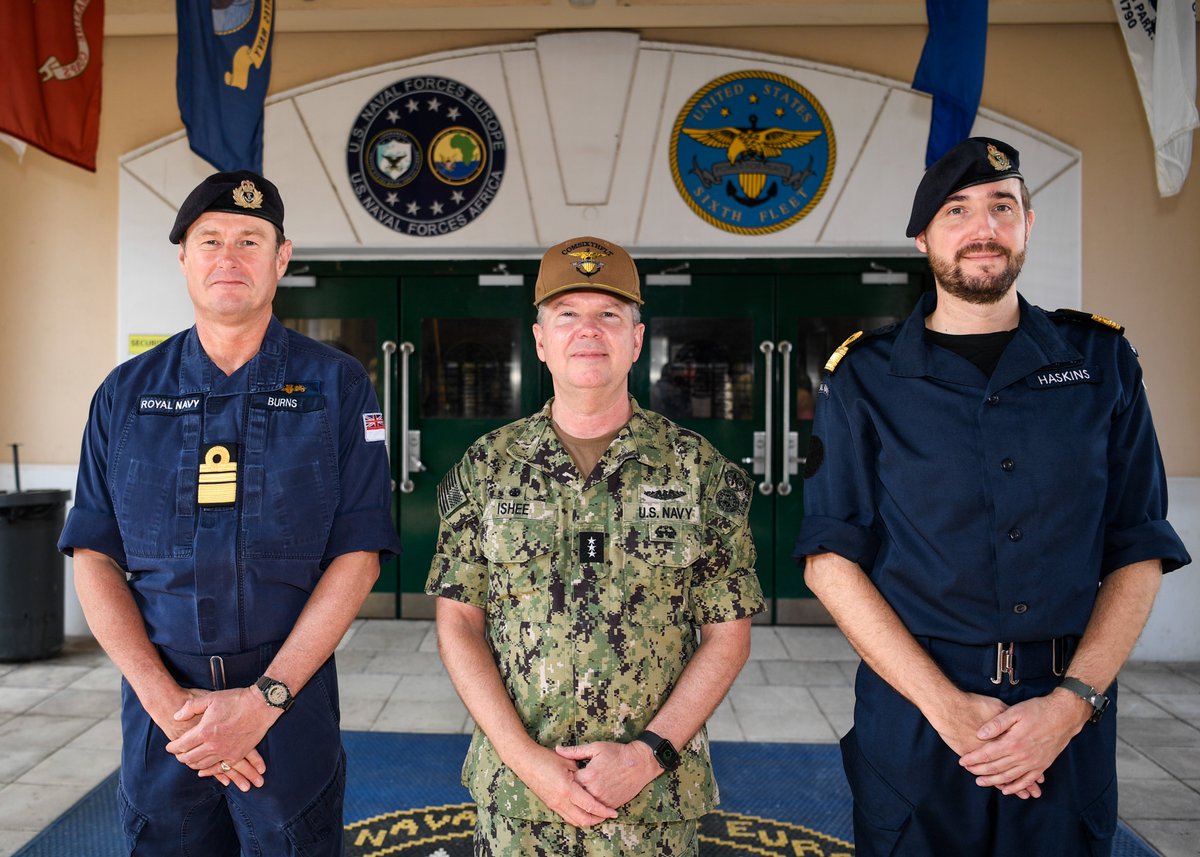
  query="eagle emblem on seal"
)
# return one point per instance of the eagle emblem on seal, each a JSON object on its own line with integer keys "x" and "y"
{"x": 588, "y": 260}
{"x": 751, "y": 145}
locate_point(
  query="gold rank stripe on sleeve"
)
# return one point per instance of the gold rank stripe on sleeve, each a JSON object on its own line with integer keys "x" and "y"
{"x": 841, "y": 351}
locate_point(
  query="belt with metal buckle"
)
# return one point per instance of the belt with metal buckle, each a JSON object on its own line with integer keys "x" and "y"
{"x": 232, "y": 669}
{"x": 1013, "y": 661}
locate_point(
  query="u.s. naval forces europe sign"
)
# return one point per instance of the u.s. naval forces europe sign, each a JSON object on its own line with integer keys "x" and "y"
{"x": 752, "y": 152}
{"x": 426, "y": 156}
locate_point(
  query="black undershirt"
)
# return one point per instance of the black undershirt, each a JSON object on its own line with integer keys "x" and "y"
{"x": 982, "y": 349}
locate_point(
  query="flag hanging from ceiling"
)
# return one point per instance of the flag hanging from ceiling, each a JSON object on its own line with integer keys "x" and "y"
{"x": 1161, "y": 40}
{"x": 222, "y": 73}
{"x": 50, "y": 76}
{"x": 951, "y": 70}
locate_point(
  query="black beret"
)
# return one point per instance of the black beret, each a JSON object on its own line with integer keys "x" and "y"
{"x": 976, "y": 160}
{"x": 239, "y": 192}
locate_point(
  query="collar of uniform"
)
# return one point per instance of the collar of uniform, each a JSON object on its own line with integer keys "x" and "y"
{"x": 266, "y": 370}
{"x": 1036, "y": 344}
{"x": 528, "y": 440}
{"x": 270, "y": 363}
{"x": 529, "y": 446}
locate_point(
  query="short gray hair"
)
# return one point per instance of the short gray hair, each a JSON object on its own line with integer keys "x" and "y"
{"x": 635, "y": 310}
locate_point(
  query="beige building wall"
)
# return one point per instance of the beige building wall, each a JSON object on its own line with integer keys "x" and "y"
{"x": 58, "y": 283}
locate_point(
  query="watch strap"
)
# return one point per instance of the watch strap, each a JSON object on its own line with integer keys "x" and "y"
{"x": 664, "y": 751}
{"x": 275, "y": 693}
{"x": 1089, "y": 694}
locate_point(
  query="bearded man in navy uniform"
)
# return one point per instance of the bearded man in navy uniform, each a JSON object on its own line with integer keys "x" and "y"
{"x": 232, "y": 509}
{"x": 985, "y": 518}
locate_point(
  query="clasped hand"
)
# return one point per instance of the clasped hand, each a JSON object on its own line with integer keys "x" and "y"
{"x": 222, "y": 726}
{"x": 1014, "y": 746}
{"x": 613, "y": 774}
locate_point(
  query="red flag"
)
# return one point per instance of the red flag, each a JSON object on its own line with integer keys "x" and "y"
{"x": 50, "y": 75}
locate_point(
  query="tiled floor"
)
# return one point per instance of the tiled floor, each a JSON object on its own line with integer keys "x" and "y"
{"x": 60, "y": 732}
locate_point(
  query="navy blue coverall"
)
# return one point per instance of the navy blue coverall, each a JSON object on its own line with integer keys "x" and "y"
{"x": 225, "y": 499}
{"x": 985, "y": 511}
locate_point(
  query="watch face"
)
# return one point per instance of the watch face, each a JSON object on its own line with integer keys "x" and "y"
{"x": 667, "y": 753}
{"x": 277, "y": 694}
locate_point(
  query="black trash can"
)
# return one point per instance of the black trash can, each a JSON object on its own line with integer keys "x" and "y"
{"x": 31, "y": 574}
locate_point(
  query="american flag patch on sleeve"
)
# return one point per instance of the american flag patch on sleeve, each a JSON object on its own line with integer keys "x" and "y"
{"x": 373, "y": 427}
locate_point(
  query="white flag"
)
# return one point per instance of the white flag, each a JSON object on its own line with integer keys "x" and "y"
{"x": 18, "y": 146}
{"x": 1162, "y": 48}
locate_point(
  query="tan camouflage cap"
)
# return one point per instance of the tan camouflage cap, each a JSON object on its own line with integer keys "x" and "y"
{"x": 587, "y": 263}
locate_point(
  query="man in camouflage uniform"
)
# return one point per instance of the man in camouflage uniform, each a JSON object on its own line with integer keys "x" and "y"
{"x": 579, "y": 550}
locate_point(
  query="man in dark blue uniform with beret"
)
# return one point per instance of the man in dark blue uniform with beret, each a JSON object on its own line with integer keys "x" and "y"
{"x": 232, "y": 509}
{"x": 986, "y": 520}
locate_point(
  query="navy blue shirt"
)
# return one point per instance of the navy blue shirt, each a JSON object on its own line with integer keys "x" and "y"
{"x": 988, "y": 509}
{"x": 225, "y": 498}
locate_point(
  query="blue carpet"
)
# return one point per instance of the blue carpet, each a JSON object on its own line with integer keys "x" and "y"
{"x": 404, "y": 799}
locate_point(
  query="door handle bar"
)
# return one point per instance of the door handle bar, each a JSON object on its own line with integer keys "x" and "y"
{"x": 785, "y": 479}
{"x": 767, "y": 348}
{"x": 388, "y": 348}
{"x": 406, "y": 463}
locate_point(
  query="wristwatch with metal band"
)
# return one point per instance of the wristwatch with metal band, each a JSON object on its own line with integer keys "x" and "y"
{"x": 663, "y": 750}
{"x": 276, "y": 693}
{"x": 1089, "y": 694}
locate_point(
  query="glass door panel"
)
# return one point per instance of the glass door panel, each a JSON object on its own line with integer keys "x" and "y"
{"x": 702, "y": 366}
{"x": 473, "y": 368}
{"x": 356, "y": 315}
{"x": 816, "y": 313}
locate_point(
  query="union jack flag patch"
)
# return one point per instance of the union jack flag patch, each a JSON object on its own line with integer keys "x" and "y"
{"x": 373, "y": 427}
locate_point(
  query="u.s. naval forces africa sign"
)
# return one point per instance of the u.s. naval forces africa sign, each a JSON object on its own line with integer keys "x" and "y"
{"x": 752, "y": 152}
{"x": 426, "y": 156}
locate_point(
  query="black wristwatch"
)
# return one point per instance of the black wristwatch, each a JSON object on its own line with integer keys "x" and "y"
{"x": 276, "y": 693}
{"x": 1089, "y": 694}
{"x": 663, "y": 750}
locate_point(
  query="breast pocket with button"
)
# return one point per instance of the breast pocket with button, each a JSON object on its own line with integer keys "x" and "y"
{"x": 656, "y": 575}
{"x": 154, "y": 486}
{"x": 521, "y": 554}
{"x": 291, "y": 489}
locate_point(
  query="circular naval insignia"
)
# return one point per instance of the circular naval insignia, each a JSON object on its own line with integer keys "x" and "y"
{"x": 752, "y": 152}
{"x": 735, "y": 480}
{"x": 729, "y": 502}
{"x": 426, "y": 156}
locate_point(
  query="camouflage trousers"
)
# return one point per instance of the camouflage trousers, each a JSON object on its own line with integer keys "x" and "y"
{"x": 501, "y": 836}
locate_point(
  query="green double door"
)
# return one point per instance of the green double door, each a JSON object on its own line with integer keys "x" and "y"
{"x": 733, "y": 349}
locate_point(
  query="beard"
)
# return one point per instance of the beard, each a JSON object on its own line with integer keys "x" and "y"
{"x": 982, "y": 289}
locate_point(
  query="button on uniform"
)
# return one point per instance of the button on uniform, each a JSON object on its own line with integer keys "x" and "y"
{"x": 1020, "y": 607}
{"x": 1007, "y": 465}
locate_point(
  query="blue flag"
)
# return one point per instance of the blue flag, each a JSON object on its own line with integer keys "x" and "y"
{"x": 223, "y": 70}
{"x": 951, "y": 70}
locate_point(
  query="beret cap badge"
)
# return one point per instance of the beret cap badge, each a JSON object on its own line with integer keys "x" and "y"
{"x": 998, "y": 159}
{"x": 246, "y": 195}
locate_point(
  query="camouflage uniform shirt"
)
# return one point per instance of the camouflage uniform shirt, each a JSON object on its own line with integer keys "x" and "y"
{"x": 593, "y": 588}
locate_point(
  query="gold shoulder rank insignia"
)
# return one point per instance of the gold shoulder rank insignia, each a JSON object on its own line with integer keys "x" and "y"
{"x": 292, "y": 388}
{"x": 1076, "y": 315}
{"x": 841, "y": 351}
